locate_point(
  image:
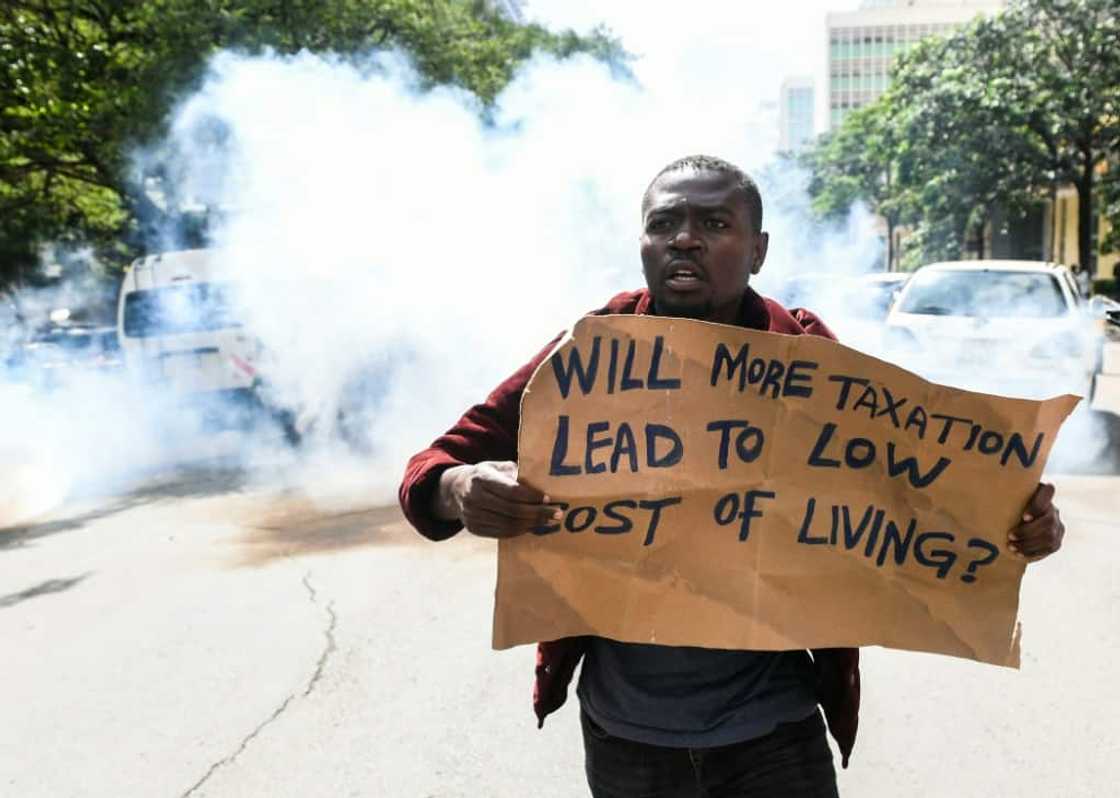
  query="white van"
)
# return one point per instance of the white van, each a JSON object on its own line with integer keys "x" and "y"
{"x": 179, "y": 328}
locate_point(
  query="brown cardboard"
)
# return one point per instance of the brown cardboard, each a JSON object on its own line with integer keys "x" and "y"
{"x": 937, "y": 576}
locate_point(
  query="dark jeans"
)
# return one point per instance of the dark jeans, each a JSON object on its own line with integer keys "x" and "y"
{"x": 793, "y": 761}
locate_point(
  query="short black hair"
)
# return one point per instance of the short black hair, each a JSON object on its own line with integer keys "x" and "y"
{"x": 709, "y": 163}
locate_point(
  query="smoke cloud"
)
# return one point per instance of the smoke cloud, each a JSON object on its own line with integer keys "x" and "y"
{"x": 396, "y": 254}
{"x": 391, "y": 237}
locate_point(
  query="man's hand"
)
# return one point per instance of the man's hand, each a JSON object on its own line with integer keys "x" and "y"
{"x": 490, "y": 501}
{"x": 1041, "y": 531}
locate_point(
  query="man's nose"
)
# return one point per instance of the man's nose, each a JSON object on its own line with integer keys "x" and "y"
{"x": 685, "y": 238}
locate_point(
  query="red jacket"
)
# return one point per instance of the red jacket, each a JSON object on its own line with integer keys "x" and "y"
{"x": 488, "y": 431}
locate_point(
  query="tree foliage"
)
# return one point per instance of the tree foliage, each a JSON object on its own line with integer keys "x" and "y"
{"x": 996, "y": 115}
{"x": 83, "y": 82}
{"x": 857, "y": 163}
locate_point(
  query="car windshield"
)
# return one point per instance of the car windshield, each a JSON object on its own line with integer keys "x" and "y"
{"x": 191, "y": 307}
{"x": 996, "y": 294}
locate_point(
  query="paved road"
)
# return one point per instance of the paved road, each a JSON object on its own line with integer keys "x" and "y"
{"x": 207, "y": 638}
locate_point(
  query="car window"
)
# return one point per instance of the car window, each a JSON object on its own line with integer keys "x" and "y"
{"x": 996, "y": 294}
{"x": 192, "y": 307}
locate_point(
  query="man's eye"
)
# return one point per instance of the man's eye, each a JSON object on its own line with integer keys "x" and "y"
{"x": 658, "y": 225}
{"x": 716, "y": 224}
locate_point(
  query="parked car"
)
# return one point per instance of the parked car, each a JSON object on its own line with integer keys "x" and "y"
{"x": 875, "y": 293}
{"x": 53, "y": 354}
{"x": 864, "y": 296}
{"x": 809, "y": 290}
{"x": 1017, "y": 328}
{"x": 1106, "y": 313}
{"x": 853, "y": 306}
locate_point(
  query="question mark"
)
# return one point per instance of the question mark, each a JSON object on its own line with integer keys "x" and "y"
{"x": 992, "y": 553}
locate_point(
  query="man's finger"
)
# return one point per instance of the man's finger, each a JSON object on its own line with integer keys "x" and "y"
{"x": 1040, "y": 537}
{"x": 504, "y": 472}
{"x": 1047, "y": 544}
{"x": 1040, "y": 502}
{"x": 1033, "y": 529}
{"x": 520, "y": 519}
{"x": 527, "y": 515}
{"x": 506, "y": 504}
{"x": 489, "y": 525}
{"x": 1041, "y": 549}
{"x": 512, "y": 492}
{"x": 497, "y": 533}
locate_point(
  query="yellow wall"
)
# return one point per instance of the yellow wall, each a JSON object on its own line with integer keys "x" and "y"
{"x": 1105, "y": 263}
{"x": 1063, "y": 246}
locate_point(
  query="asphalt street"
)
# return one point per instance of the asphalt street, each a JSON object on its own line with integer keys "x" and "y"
{"x": 205, "y": 637}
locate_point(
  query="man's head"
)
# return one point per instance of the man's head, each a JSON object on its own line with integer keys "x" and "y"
{"x": 701, "y": 238}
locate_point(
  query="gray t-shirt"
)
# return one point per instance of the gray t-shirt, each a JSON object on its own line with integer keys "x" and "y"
{"x": 683, "y": 697}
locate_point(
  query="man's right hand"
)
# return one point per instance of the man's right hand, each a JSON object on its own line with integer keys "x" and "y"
{"x": 490, "y": 501}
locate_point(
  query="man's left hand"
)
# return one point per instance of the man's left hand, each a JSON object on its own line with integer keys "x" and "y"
{"x": 1040, "y": 532}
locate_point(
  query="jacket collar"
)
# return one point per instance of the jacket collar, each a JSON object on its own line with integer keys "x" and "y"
{"x": 753, "y": 310}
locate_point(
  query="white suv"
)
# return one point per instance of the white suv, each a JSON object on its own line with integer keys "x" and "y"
{"x": 1016, "y": 328}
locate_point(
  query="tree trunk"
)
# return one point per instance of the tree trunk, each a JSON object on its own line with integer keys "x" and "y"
{"x": 1052, "y": 250}
{"x": 890, "y": 243}
{"x": 1087, "y": 257}
{"x": 974, "y": 235}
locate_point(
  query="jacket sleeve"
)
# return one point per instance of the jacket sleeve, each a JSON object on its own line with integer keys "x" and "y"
{"x": 811, "y": 323}
{"x": 487, "y": 431}
{"x": 838, "y": 691}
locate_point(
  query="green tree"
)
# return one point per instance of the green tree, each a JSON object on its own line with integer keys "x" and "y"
{"x": 959, "y": 156}
{"x": 857, "y": 163}
{"x": 83, "y": 82}
{"x": 1053, "y": 68}
{"x": 998, "y": 114}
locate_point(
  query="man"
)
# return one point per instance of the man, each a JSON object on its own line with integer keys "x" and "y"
{"x": 665, "y": 721}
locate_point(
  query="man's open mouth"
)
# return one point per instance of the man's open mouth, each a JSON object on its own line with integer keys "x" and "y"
{"x": 683, "y": 276}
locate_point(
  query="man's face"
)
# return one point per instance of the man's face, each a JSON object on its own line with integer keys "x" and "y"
{"x": 699, "y": 248}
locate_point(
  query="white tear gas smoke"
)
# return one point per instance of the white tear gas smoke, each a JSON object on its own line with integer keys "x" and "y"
{"x": 395, "y": 255}
{"x": 389, "y": 239}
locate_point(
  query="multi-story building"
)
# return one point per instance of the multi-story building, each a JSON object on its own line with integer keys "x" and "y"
{"x": 796, "y": 113}
{"x": 863, "y": 44}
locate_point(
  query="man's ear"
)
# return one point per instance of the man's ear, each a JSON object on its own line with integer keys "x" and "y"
{"x": 761, "y": 245}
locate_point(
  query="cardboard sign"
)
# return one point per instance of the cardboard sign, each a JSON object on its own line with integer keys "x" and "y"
{"x": 727, "y": 488}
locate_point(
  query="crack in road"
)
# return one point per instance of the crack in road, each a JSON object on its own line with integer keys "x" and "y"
{"x": 320, "y": 667}
{"x": 328, "y": 634}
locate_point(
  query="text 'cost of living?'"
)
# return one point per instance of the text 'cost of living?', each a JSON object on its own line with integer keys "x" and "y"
{"x": 728, "y": 488}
